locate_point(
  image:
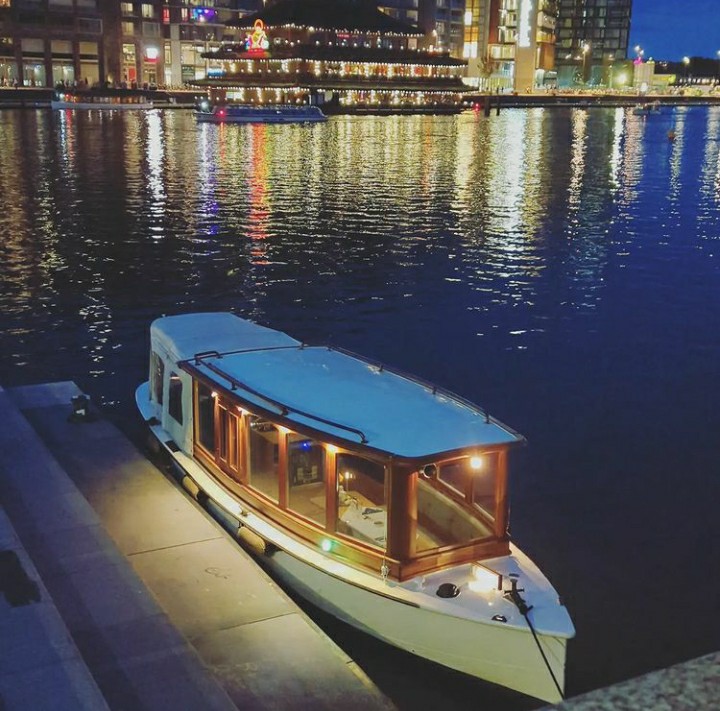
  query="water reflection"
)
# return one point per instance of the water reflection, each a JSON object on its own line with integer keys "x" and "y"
{"x": 556, "y": 265}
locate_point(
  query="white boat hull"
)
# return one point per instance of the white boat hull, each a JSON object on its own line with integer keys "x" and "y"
{"x": 501, "y": 655}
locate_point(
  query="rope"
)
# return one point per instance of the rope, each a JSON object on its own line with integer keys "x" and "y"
{"x": 542, "y": 651}
{"x": 514, "y": 596}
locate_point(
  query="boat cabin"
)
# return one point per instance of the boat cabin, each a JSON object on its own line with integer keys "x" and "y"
{"x": 367, "y": 464}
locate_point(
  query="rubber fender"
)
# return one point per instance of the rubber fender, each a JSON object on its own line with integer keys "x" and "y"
{"x": 190, "y": 486}
{"x": 251, "y": 539}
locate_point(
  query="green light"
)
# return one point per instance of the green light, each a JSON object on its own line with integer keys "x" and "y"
{"x": 326, "y": 545}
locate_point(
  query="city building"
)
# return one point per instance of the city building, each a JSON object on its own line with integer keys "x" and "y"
{"x": 163, "y": 42}
{"x": 345, "y": 54}
{"x": 441, "y": 21}
{"x": 592, "y": 36}
{"x": 44, "y": 42}
{"x": 152, "y": 42}
{"x": 510, "y": 44}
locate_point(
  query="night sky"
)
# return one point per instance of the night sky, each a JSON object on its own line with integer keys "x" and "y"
{"x": 671, "y": 29}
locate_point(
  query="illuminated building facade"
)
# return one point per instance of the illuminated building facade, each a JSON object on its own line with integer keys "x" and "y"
{"x": 191, "y": 30}
{"x": 134, "y": 42}
{"x": 344, "y": 54}
{"x": 510, "y": 44}
{"x": 441, "y": 21}
{"x": 592, "y": 35}
{"x": 44, "y": 43}
{"x": 162, "y": 42}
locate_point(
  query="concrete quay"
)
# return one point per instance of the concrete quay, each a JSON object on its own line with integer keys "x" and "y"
{"x": 118, "y": 591}
{"x": 690, "y": 686}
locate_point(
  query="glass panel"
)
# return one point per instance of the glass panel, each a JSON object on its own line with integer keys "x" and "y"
{"x": 306, "y": 477}
{"x": 63, "y": 74}
{"x": 206, "y": 417}
{"x": 263, "y": 457}
{"x": 362, "y": 507}
{"x": 233, "y": 432}
{"x": 443, "y": 521}
{"x": 455, "y": 474}
{"x": 89, "y": 49}
{"x": 223, "y": 433}
{"x": 484, "y": 481}
{"x": 175, "y": 398}
{"x": 157, "y": 375}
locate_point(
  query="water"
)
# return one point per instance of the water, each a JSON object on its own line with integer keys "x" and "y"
{"x": 561, "y": 267}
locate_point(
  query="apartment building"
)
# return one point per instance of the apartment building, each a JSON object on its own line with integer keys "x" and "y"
{"x": 132, "y": 42}
{"x": 44, "y": 42}
{"x": 510, "y": 44}
{"x": 592, "y": 36}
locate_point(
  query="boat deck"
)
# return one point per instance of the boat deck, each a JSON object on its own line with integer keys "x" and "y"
{"x": 128, "y": 594}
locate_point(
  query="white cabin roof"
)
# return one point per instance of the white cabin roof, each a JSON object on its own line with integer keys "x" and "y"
{"x": 186, "y": 335}
{"x": 396, "y": 414}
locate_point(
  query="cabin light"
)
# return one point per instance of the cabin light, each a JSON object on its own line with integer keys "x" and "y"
{"x": 476, "y": 463}
{"x": 428, "y": 471}
{"x": 240, "y": 410}
{"x": 283, "y": 430}
{"x": 214, "y": 393}
{"x": 326, "y": 544}
{"x": 484, "y": 579}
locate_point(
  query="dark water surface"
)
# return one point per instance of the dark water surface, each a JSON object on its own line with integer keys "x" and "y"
{"x": 560, "y": 267}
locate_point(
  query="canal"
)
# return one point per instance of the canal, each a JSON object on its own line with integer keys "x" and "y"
{"x": 560, "y": 267}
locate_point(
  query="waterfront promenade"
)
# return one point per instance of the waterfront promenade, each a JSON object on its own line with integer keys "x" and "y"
{"x": 120, "y": 592}
{"x": 35, "y": 98}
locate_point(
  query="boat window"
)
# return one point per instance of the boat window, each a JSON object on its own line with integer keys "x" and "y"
{"x": 484, "y": 481}
{"x": 473, "y": 479}
{"x": 157, "y": 374}
{"x": 306, "y": 481}
{"x": 229, "y": 439}
{"x": 263, "y": 456}
{"x": 206, "y": 417}
{"x": 455, "y": 475}
{"x": 362, "y": 507}
{"x": 442, "y": 520}
{"x": 175, "y": 398}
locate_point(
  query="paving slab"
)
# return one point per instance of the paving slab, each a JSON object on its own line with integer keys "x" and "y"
{"x": 40, "y": 665}
{"x": 258, "y": 644}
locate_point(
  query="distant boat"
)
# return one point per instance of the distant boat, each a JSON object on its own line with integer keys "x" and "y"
{"x": 379, "y": 497}
{"x": 248, "y": 113}
{"x": 644, "y": 109}
{"x": 103, "y": 99}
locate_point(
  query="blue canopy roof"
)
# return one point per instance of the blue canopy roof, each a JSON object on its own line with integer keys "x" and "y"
{"x": 318, "y": 386}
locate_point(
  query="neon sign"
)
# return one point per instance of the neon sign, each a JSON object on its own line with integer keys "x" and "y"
{"x": 257, "y": 41}
{"x": 524, "y": 24}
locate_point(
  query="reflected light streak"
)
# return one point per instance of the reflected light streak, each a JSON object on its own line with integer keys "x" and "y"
{"x": 616, "y": 152}
{"x": 711, "y": 160}
{"x": 633, "y": 158}
{"x": 677, "y": 153}
{"x": 504, "y": 188}
{"x": 577, "y": 159}
{"x": 259, "y": 213}
{"x": 156, "y": 183}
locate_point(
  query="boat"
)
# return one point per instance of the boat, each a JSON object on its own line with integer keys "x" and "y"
{"x": 646, "y": 109}
{"x": 379, "y": 497}
{"x": 102, "y": 99}
{"x": 247, "y": 113}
